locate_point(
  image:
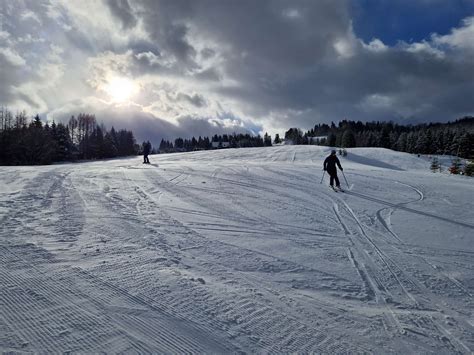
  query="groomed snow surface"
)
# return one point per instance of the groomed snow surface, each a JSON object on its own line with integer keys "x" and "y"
{"x": 237, "y": 250}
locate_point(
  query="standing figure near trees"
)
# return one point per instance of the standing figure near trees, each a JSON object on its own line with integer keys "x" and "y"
{"x": 330, "y": 166}
{"x": 146, "y": 151}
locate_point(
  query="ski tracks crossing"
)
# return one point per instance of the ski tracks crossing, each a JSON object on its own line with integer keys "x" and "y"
{"x": 249, "y": 315}
{"x": 376, "y": 268}
{"x": 221, "y": 257}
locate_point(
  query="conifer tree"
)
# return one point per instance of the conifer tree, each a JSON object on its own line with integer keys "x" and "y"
{"x": 110, "y": 145}
{"x": 469, "y": 168}
{"x": 267, "y": 140}
{"x": 384, "y": 140}
{"x": 331, "y": 140}
{"x": 38, "y": 147}
{"x": 434, "y": 167}
{"x": 277, "y": 139}
{"x": 63, "y": 143}
{"x": 466, "y": 145}
{"x": 401, "y": 143}
{"x": 348, "y": 139}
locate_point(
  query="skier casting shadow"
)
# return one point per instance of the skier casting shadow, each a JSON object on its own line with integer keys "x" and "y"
{"x": 330, "y": 166}
{"x": 146, "y": 151}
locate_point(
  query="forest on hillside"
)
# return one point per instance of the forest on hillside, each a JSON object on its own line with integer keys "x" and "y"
{"x": 217, "y": 141}
{"x": 452, "y": 138}
{"x": 25, "y": 142}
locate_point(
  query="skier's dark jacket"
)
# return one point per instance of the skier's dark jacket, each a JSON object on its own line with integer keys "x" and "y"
{"x": 330, "y": 164}
{"x": 146, "y": 148}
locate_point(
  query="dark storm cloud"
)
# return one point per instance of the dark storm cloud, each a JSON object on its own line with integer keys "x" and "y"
{"x": 196, "y": 99}
{"x": 393, "y": 72}
{"x": 284, "y": 56}
{"x": 265, "y": 36}
{"x": 209, "y": 74}
{"x": 122, "y": 10}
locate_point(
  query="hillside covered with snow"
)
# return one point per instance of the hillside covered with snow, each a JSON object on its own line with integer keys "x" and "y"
{"x": 237, "y": 250}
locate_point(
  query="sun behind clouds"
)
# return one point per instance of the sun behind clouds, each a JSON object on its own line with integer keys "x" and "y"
{"x": 120, "y": 89}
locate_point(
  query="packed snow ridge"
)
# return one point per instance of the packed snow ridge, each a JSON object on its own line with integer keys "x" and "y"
{"x": 237, "y": 250}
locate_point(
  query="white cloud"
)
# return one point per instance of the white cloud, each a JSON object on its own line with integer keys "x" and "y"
{"x": 29, "y": 38}
{"x": 344, "y": 48}
{"x": 154, "y": 60}
{"x": 12, "y": 57}
{"x": 292, "y": 13}
{"x": 423, "y": 47}
{"x": 376, "y": 45}
{"x": 51, "y": 70}
{"x": 30, "y": 15}
{"x": 346, "y": 45}
{"x": 94, "y": 23}
{"x": 106, "y": 65}
{"x": 460, "y": 38}
{"x": 376, "y": 101}
{"x": 4, "y": 35}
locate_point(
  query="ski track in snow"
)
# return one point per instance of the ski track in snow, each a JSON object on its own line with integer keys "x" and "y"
{"x": 236, "y": 250}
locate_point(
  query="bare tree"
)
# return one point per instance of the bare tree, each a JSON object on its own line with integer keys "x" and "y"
{"x": 21, "y": 119}
{"x": 72, "y": 126}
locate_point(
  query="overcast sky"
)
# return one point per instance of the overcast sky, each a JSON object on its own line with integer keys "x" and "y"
{"x": 198, "y": 67}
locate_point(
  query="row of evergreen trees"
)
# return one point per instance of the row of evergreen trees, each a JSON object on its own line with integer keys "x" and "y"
{"x": 455, "y": 138}
{"x": 217, "y": 141}
{"x": 28, "y": 143}
{"x": 456, "y": 167}
{"x": 23, "y": 142}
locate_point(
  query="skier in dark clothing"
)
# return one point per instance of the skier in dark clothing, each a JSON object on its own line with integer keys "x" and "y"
{"x": 330, "y": 166}
{"x": 146, "y": 151}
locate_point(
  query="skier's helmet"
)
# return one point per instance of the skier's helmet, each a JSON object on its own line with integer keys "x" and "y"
{"x": 333, "y": 152}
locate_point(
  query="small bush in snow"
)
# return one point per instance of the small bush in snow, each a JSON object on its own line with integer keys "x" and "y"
{"x": 455, "y": 167}
{"x": 469, "y": 168}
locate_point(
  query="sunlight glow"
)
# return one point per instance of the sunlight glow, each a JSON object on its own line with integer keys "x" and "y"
{"x": 120, "y": 89}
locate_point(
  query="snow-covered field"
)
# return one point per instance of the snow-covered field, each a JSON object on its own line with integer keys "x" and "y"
{"x": 237, "y": 251}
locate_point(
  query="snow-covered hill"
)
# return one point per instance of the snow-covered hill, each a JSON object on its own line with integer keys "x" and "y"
{"x": 237, "y": 250}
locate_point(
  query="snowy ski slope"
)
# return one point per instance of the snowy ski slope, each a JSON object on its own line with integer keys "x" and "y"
{"x": 237, "y": 250}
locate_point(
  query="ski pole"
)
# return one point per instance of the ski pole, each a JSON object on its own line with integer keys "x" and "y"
{"x": 342, "y": 171}
{"x": 324, "y": 172}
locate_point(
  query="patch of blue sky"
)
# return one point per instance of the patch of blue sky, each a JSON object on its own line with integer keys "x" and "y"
{"x": 392, "y": 21}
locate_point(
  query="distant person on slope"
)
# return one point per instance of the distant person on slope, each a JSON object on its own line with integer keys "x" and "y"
{"x": 330, "y": 166}
{"x": 146, "y": 150}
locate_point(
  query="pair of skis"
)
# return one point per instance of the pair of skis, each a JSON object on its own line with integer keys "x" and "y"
{"x": 336, "y": 189}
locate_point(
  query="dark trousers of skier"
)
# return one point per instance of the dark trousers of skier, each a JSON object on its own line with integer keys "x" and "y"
{"x": 333, "y": 177}
{"x": 145, "y": 159}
